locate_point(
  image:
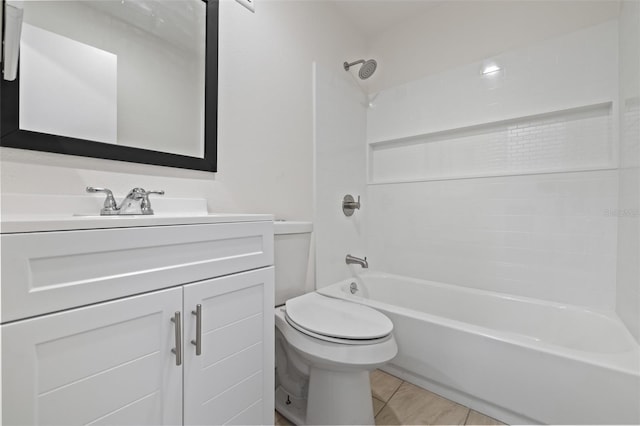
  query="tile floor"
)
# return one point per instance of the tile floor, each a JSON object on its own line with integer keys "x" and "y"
{"x": 396, "y": 402}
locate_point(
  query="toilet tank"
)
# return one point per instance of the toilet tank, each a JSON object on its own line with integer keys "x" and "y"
{"x": 292, "y": 241}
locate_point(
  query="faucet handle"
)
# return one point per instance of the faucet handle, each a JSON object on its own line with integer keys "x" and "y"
{"x": 349, "y": 204}
{"x": 145, "y": 205}
{"x": 110, "y": 206}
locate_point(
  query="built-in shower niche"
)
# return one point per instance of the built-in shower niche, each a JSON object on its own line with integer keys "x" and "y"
{"x": 568, "y": 140}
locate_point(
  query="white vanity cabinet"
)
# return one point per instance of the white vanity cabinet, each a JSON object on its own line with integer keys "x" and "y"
{"x": 109, "y": 363}
{"x": 227, "y": 381}
{"x": 128, "y": 359}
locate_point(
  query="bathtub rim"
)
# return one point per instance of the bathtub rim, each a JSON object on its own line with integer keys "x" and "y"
{"x": 622, "y": 362}
{"x": 610, "y": 315}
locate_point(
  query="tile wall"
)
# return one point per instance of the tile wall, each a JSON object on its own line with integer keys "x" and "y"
{"x": 573, "y": 70}
{"x": 550, "y": 236}
{"x": 628, "y": 212}
{"x": 547, "y": 120}
{"x": 576, "y": 139}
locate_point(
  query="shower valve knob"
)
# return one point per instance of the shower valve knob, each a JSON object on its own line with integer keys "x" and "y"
{"x": 349, "y": 204}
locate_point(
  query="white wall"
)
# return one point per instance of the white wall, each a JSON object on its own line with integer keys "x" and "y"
{"x": 265, "y": 119}
{"x": 455, "y": 33}
{"x": 628, "y": 273}
{"x": 542, "y": 232}
{"x": 340, "y": 169}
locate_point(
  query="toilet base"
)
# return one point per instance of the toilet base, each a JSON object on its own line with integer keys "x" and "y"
{"x": 337, "y": 386}
{"x": 294, "y": 409}
{"x": 335, "y": 398}
{"x": 339, "y": 397}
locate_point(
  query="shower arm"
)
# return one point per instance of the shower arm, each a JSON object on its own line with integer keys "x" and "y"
{"x": 348, "y": 65}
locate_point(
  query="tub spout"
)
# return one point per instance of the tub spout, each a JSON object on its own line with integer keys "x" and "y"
{"x": 357, "y": 261}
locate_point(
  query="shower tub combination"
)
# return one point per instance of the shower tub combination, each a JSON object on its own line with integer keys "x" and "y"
{"x": 517, "y": 359}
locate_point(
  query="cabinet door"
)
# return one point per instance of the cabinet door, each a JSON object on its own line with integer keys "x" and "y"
{"x": 109, "y": 363}
{"x": 232, "y": 381}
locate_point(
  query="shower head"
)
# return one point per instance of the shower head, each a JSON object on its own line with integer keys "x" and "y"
{"x": 366, "y": 70}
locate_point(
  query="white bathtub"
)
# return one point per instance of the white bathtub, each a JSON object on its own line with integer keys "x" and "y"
{"x": 517, "y": 359}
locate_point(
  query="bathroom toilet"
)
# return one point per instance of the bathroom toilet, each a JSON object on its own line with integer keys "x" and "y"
{"x": 325, "y": 347}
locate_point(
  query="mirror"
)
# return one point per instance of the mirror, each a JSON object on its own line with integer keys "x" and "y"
{"x": 129, "y": 80}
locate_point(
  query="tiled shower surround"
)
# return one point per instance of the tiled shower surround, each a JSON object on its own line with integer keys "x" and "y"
{"x": 523, "y": 182}
{"x": 544, "y": 236}
{"x": 575, "y": 139}
{"x": 504, "y": 182}
{"x": 628, "y": 277}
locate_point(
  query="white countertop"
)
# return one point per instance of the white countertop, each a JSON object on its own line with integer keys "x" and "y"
{"x": 41, "y": 213}
{"x": 39, "y": 223}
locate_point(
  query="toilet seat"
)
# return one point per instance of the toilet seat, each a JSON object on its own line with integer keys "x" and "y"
{"x": 337, "y": 321}
{"x": 338, "y": 355}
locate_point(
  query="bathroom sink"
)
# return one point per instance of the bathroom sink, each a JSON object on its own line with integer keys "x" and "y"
{"x": 22, "y": 213}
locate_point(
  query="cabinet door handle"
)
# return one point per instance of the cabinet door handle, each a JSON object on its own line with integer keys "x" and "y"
{"x": 178, "y": 349}
{"x": 198, "y": 340}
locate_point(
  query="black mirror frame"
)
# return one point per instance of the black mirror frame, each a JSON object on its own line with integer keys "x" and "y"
{"x": 13, "y": 137}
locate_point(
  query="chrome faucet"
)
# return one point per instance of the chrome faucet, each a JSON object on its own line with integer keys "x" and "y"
{"x": 357, "y": 261}
{"x": 136, "y": 202}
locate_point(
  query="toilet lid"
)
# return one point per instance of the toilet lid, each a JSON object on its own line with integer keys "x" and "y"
{"x": 337, "y": 318}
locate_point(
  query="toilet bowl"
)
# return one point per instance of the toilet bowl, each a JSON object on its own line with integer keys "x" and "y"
{"x": 337, "y": 343}
{"x": 325, "y": 347}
